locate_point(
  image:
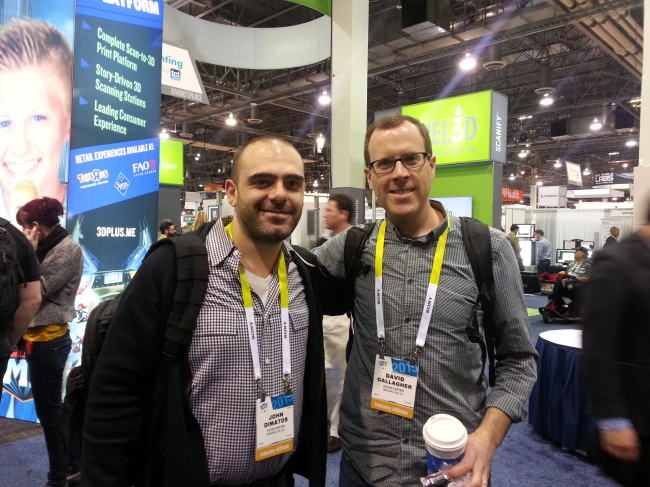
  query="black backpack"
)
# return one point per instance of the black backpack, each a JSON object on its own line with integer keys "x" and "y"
{"x": 476, "y": 237}
{"x": 191, "y": 285}
{"x": 10, "y": 276}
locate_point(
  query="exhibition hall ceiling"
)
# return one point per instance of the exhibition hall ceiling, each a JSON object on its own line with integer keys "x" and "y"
{"x": 586, "y": 55}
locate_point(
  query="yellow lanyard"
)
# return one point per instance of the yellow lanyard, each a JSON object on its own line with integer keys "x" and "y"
{"x": 252, "y": 330}
{"x": 427, "y": 310}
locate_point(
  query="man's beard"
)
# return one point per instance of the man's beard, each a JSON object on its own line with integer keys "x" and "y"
{"x": 260, "y": 231}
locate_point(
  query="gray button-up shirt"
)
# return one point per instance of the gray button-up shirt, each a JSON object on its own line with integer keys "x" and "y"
{"x": 223, "y": 390}
{"x": 388, "y": 450}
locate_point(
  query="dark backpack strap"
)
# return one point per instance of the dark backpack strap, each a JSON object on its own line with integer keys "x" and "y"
{"x": 191, "y": 286}
{"x": 476, "y": 238}
{"x": 355, "y": 242}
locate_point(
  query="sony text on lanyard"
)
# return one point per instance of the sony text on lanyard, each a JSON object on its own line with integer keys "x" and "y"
{"x": 395, "y": 380}
{"x": 273, "y": 414}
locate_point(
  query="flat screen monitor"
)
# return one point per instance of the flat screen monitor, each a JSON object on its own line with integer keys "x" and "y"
{"x": 526, "y": 230}
{"x": 570, "y": 244}
{"x": 566, "y": 256}
{"x": 457, "y": 205}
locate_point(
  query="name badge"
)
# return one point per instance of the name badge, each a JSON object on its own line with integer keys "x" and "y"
{"x": 394, "y": 384}
{"x": 274, "y": 421}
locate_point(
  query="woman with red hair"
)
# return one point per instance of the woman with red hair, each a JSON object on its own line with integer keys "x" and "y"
{"x": 47, "y": 339}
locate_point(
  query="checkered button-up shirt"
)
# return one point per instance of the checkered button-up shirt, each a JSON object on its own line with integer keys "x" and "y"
{"x": 388, "y": 450}
{"x": 223, "y": 390}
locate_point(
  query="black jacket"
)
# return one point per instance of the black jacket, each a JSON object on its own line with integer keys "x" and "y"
{"x": 121, "y": 394}
{"x": 616, "y": 335}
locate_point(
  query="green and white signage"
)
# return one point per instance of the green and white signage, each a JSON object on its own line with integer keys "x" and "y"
{"x": 466, "y": 128}
{"x": 324, "y": 6}
{"x": 171, "y": 162}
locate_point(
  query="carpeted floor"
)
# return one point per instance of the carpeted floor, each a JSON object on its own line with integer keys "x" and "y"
{"x": 14, "y": 430}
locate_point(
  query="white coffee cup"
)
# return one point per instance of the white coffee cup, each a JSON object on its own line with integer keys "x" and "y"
{"x": 445, "y": 438}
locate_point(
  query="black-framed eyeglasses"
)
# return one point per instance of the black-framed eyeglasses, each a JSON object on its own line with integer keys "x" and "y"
{"x": 414, "y": 160}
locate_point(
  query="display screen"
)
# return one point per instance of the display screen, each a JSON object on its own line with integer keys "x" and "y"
{"x": 457, "y": 205}
{"x": 528, "y": 253}
{"x": 112, "y": 278}
{"x": 566, "y": 256}
{"x": 526, "y": 230}
{"x": 570, "y": 244}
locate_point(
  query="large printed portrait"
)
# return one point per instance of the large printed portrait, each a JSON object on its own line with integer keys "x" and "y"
{"x": 35, "y": 112}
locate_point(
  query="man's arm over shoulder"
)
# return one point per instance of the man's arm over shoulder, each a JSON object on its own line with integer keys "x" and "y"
{"x": 330, "y": 254}
{"x": 119, "y": 402}
{"x": 516, "y": 357}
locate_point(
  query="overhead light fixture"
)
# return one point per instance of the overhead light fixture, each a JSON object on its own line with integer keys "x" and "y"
{"x": 614, "y": 153}
{"x": 558, "y": 163}
{"x": 631, "y": 143}
{"x": 540, "y": 183}
{"x": 315, "y": 185}
{"x": 522, "y": 154}
{"x": 164, "y": 134}
{"x": 523, "y": 172}
{"x": 586, "y": 172}
{"x": 468, "y": 62}
{"x": 596, "y": 125}
{"x": 546, "y": 100}
{"x": 320, "y": 143}
{"x": 512, "y": 177}
{"x": 525, "y": 117}
{"x": 635, "y": 100}
{"x": 231, "y": 120}
{"x": 399, "y": 5}
{"x": 324, "y": 99}
{"x": 625, "y": 164}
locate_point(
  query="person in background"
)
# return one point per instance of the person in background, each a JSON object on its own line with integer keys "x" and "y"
{"x": 29, "y": 294}
{"x": 167, "y": 229}
{"x": 383, "y": 449}
{"x": 615, "y": 344}
{"x": 543, "y": 252}
{"x": 200, "y": 218}
{"x": 572, "y": 285}
{"x": 614, "y": 233}
{"x": 47, "y": 338}
{"x": 35, "y": 111}
{"x": 336, "y": 329}
{"x": 514, "y": 241}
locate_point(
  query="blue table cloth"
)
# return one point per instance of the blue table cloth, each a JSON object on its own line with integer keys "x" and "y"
{"x": 556, "y": 408}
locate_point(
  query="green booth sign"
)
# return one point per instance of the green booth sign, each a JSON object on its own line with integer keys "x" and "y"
{"x": 466, "y": 128}
{"x": 324, "y": 6}
{"x": 171, "y": 162}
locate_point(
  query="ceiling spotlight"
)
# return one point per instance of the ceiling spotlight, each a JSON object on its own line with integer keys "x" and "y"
{"x": 196, "y": 158}
{"x": 558, "y": 163}
{"x": 512, "y": 177}
{"x": 631, "y": 143}
{"x": 231, "y": 120}
{"x": 614, "y": 153}
{"x": 164, "y": 134}
{"x": 586, "y": 172}
{"x": 546, "y": 100}
{"x": 399, "y": 5}
{"x": 523, "y": 172}
{"x": 315, "y": 185}
{"x": 522, "y": 154}
{"x": 596, "y": 125}
{"x": 324, "y": 99}
{"x": 625, "y": 164}
{"x": 540, "y": 183}
{"x": 468, "y": 62}
{"x": 320, "y": 143}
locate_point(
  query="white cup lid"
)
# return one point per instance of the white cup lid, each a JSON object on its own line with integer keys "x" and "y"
{"x": 444, "y": 432}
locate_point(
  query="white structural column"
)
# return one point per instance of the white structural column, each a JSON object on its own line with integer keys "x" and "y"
{"x": 349, "y": 91}
{"x": 642, "y": 173}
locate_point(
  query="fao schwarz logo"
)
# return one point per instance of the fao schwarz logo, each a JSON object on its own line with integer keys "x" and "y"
{"x": 122, "y": 184}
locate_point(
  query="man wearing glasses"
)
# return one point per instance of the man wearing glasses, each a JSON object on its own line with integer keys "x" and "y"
{"x": 408, "y": 308}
